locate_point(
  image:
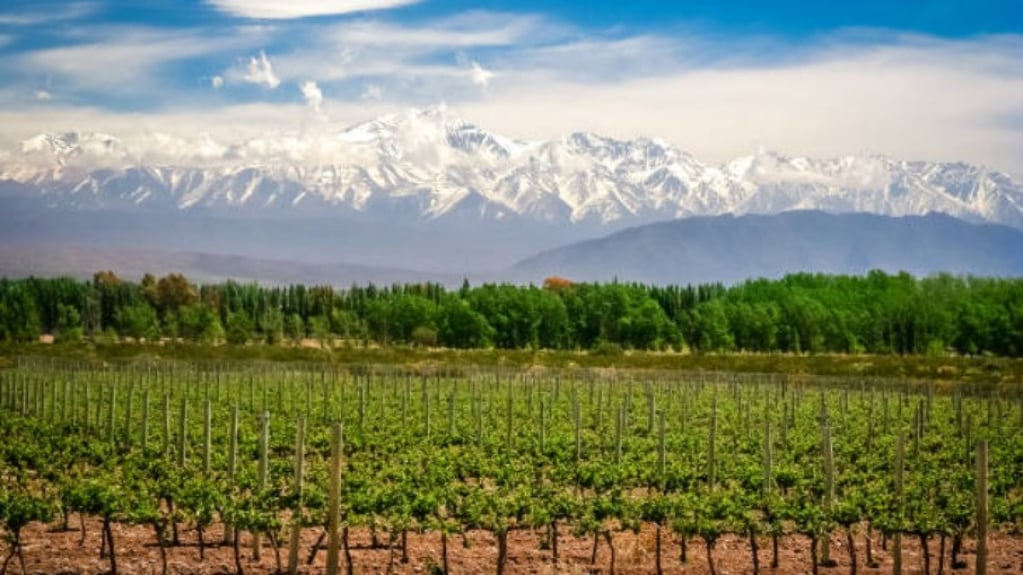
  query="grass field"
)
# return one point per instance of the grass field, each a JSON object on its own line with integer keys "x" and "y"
{"x": 1007, "y": 372}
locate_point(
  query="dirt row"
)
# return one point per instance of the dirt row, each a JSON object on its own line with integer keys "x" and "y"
{"x": 48, "y": 551}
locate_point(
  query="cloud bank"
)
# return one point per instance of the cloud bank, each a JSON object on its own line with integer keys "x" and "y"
{"x": 849, "y": 92}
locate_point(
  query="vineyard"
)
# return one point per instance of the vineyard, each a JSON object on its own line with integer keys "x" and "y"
{"x": 270, "y": 468}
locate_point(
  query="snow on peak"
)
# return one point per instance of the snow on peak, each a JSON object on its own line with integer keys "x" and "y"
{"x": 434, "y": 164}
{"x": 92, "y": 149}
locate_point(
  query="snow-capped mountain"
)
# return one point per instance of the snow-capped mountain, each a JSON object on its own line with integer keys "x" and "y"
{"x": 427, "y": 165}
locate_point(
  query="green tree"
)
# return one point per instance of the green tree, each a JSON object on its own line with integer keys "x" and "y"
{"x": 138, "y": 321}
{"x": 709, "y": 328}
{"x": 69, "y": 323}
{"x": 173, "y": 292}
{"x": 294, "y": 328}
{"x": 346, "y": 324}
{"x": 272, "y": 326}
{"x": 19, "y": 317}
{"x": 198, "y": 323}
{"x": 461, "y": 326}
{"x": 239, "y": 328}
{"x": 319, "y": 329}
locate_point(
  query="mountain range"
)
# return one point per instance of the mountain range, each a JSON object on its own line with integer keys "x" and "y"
{"x": 731, "y": 249}
{"x": 83, "y": 262}
{"x": 428, "y": 165}
{"x": 701, "y": 249}
{"x": 424, "y": 190}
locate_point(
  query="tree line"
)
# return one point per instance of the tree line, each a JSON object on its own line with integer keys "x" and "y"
{"x": 801, "y": 313}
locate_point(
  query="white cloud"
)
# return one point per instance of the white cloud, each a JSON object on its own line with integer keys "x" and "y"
{"x": 261, "y": 71}
{"x": 313, "y": 95}
{"x": 481, "y": 76}
{"x": 42, "y": 95}
{"x": 289, "y": 9}
{"x": 908, "y": 97}
{"x": 131, "y": 62}
{"x": 168, "y": 136}
{"x": 69, "y": 11}
{"x": 372, "y": 92}
{"x": 406, "y": 53}
{"x": 481, "y": 29}
{"x": 935, "y": 100}
{"x": 217, "y": 82}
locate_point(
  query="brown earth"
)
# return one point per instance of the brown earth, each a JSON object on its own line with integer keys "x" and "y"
{"x": 48, "y": 551}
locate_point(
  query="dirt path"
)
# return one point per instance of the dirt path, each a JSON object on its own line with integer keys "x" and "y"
{"x": 50, "y": 552}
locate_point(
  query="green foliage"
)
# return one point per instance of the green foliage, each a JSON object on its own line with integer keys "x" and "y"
{"x": 798, "y": 314}
{"x": 198, "y": 323}
{"x": 19, "y": 315}
{"x": 138, "y": 321}
{"x": 272, "y": 326}
{"x": 462, "y": 327}
{"x": 294, "y": 327}
{"x": 319, "y": 329}
{"x": 470, "y": 472}
{"x": 424, "y": 336}
{"x": 69, "y": 324}
{"x": 607, "y": 349}
{"x": 239, "y": 328}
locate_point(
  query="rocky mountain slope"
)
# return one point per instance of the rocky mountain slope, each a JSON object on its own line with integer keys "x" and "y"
{"x": 427, "y": 165}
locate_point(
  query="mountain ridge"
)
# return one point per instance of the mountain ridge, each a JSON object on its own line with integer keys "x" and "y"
{"x": 429, "y": 165}
{"x": 82, "y": 262}
{"x": 727, "y": 249}
{"x": 731, "y": 249}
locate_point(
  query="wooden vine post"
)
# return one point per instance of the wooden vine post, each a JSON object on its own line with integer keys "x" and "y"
{"x": 769, "y": 486}
{"x": 165, "y": 440}
{"x": 232, "y": 468}
{"x": 296, "y": 513}
{"x": 264, "y": 448}
{"x": 128, "y": 415}
{"x": 145, "y": 420}
{"x": 543, "y": 425}
{"x": 900, "y": 461}
{"x": 334, "y": 500}
{"x": 508, "y": 438}
{"x": 73, "y": 407}
{"x": 362, "y": 408}
{"x": 183, "y": 433}
{"x": 426, "y": 410}
{"x": 207, "y": 437}
{"x": 650, "y": 410}
{"x": 619, "y": 423}
{"x": 112, "y": 414}
{"x": 451, "y": 415}
{"x": 711, "y": 467}
{"x": 88, "y": 400}
{"x": 768, "y": 464}
{"x": 661, "y": 464}
{"x": 982, "y": 507}
{"x": 829, "y": 492}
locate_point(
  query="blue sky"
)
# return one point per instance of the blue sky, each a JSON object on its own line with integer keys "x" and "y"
{"x": 916, "y": 79}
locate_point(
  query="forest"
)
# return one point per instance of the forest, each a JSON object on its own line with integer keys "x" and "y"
{"x": 878, "y": 313}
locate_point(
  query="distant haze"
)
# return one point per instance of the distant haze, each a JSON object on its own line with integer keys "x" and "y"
{"x": 732, "y": 249}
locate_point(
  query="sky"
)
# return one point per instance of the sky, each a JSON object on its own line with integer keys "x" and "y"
{"x": 937, "y": 80}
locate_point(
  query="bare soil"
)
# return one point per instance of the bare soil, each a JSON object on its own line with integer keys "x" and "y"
{"x": 49, "y": 551}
